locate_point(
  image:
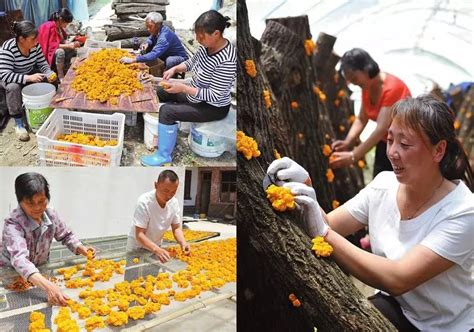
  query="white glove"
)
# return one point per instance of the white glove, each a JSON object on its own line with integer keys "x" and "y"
{"x": 126, "y": 60}
{"x": 305, "y": 197}
{"x": 285, "y": 169}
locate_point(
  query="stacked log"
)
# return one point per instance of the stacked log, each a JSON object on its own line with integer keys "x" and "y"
{"x": 125, "y": 8}
{"x": 126, "y": 27}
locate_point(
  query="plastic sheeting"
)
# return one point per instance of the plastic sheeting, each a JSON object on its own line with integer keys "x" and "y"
{"x": 36, "y": 11}
{"x": 419, "y": 41}
{"x": 79, "y": 10}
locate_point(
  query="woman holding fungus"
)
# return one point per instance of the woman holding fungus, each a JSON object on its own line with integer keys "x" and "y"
{"x": 421, "y": 220}
{"x": 207, "y": 98}
{"x": 29, "y": 231}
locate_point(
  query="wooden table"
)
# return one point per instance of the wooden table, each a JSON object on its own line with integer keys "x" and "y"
{"x": 77, "y": 100}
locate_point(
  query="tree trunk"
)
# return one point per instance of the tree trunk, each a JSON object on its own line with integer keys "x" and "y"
{"x": 465, "y": 124}
{"x": 348, "y": 181}
{"x": 274, "y": 254}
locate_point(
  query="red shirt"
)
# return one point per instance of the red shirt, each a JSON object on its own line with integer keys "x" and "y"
{"x": 393, "y": 90}
{"x": 49, "y": 37}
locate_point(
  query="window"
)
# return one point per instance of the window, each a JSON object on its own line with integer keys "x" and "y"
{"x": 187, "y": 185}
{"x": 228, "y": 186}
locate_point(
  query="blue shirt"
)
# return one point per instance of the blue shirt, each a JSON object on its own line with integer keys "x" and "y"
{"x": 165, "y": 44}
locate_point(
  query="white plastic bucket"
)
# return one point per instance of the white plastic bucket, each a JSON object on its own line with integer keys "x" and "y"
{"x": 206, "y": 145}
{"x": 150, "y": 132}
{"x": 36, "y": 98}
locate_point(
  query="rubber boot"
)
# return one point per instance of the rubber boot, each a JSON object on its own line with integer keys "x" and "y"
{"x": 166, "y": 142}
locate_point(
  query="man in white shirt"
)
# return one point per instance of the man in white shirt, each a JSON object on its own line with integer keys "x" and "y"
{"x": 156, "y": 211}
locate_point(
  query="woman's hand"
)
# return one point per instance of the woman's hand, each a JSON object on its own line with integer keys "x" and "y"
{"x": 286, "y": 170}
{"x": 55, "y": 296}
{"x": 162, "y": 254}
{"x": 35, "y": 78}
{"x": 341, "y": 159}
{"x": 186, "y": 248}
{"x": 305, "y": 197}
{"x": 340, "y": 145}
{"x": 82, "y": 250}
{"x": 173, "y": 87}
{"x": 169, "y": 73}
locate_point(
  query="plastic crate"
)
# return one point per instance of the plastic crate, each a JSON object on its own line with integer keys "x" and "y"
{"x": 57, "y": 153}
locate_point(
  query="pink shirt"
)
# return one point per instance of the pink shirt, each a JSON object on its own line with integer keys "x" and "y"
{"x": 26, "y": 244}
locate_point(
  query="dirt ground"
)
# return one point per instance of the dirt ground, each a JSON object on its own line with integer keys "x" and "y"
{"x": 16, "y": 153}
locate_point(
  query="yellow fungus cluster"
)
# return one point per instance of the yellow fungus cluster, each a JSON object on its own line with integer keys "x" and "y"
{"x": 321, "y": 247}
{"x": 341, "y": 93}
{"x": 250, "y": 68}
{"x": 281, "y": 198}
{"x": 309, "y": 46}
{"x": 94, "y": 322}
{"x": 85, "y": 139}
{"x": 189, "y": 235}
{"x": 317, "y": 91}
{"x": 294, "y": 300}
{"x": 211, "y": 265}
{"x": 267, "y": 98}
{"x": 37, "y": 322}
{"x": 335, "y": 204}
{"x": 52, "y": 77}
{"x": 276, "y": 154}
{"x": 102, "y": 77}
{"x": 361, "y": 163}
{"x": 327, "y": 150}
{"x": 330, "y": 175}
{"x": 117, "y": 318}
{"x": 294, "y": 105}
{"x": 351, "y": 119}
{"x": 457, "y": 124}
{"x": 247, "y": 145}
{"x": 136, "y": 312}
{"x": 64, "y": 321}
{"x": 136, "y": 260}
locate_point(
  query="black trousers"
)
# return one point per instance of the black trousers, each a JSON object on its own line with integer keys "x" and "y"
{"x": 178, "y": 108}
{"x": 381, "y": 162}
{"x": 390, "y": 308}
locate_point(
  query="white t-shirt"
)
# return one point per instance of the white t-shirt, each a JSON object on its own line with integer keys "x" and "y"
{"x": 155, "y": 219}
{"x": 446, "y": 302}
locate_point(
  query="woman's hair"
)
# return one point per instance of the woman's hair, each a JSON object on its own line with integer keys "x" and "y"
{"x": 64, "y": 14}
{"x": 29, "y": 184}
{"x": 168, "y": 174}
{"x": 429, "y": 115}
{"x": 358, "y": 59}
{"x": 24, "y": 29}
{"x": 211, "y": 21}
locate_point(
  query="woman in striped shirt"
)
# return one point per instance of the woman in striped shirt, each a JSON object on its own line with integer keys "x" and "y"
{"x": 207, "y": 98}
{"x": 21, "y": 62}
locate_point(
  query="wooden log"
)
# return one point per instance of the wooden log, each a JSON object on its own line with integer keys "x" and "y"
{"x": 129, "y": 9}
{"x": 126, "y": 17}
{"x": 129, "y": 29}
{"x": 274, "y": 254}
{"x": 156, "y": 2}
